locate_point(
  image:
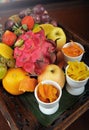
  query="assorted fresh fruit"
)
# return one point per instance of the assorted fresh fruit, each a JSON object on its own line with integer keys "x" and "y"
{"x": 17, "y": 81}
{"x": 31, "y": 51}
{"x": 6, "y": 59}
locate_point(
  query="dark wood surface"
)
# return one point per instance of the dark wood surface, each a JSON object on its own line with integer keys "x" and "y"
{"x": 75, "y": 17}
{"x": 81, "y": 123}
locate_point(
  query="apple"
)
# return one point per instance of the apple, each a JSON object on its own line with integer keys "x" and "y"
{"x": 57, "y": 34}
{"x": 47, "y": 28}
{"x": 53, "y": 72}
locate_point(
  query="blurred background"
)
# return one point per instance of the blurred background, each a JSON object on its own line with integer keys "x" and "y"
{"x": 4, "y": 1}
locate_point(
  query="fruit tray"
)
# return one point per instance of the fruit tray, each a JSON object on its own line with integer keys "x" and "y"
{"x": 22, "y": 111}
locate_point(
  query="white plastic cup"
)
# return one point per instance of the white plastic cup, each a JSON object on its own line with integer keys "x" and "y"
{"x": 49, "y": 108}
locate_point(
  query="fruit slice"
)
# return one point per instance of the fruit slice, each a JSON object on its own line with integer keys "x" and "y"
{"x": 37, "y": 29}
{"x": 46, "y": 27}
{"x": 6, "y": 51}
{"x": 3, "y": 70}
{"x": 27, "y": 84}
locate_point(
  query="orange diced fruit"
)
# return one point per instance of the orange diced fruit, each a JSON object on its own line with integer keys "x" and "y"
{"x": 41, "y": 91}
{"x": 47, "y": 93}
{"x": 27, "y": 84}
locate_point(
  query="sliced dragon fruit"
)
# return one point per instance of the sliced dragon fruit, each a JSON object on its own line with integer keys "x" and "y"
{"x": 35, "y": 53}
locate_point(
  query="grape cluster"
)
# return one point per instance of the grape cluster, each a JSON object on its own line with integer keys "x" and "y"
{"x": 7, "y": 62}
{"x": 39, "y": 13}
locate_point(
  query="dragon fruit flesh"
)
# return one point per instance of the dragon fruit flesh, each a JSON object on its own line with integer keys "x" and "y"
{"x": 35, "y": 53}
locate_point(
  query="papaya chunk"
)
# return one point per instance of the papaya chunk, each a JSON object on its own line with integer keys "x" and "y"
{"x": 47, "y": 93}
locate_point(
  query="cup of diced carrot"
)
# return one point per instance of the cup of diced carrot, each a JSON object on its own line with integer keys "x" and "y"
{"x": 73, "y": 51}
{"x": 48, "y": 94}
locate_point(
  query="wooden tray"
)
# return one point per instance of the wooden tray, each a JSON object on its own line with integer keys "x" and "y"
{"x": 21, "y": 113}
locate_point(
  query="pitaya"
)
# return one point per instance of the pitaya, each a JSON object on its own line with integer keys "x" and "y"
{"x": 35, "y": 53}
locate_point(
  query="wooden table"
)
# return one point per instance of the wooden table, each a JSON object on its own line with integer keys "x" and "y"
{"x": 73, "y": 16}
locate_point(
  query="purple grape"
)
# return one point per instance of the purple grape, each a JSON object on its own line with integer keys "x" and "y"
{"x": 36, "y": 17}
{"x": 9, "y": 24}
{"x": 38, "y": 9}
{"x": 22, "y": 14}
{"x": 45, "y": 18}
{"x": 25, "y": 12}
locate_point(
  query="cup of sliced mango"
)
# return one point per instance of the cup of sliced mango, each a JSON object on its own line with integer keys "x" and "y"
{"x": 48, "y": 94}
{"x": 73, "y": 51}
{"x": 77, "y": 75}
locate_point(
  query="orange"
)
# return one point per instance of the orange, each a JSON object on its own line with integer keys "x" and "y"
{"x": 12, "y": 80}
{"x": 28, "y": 84}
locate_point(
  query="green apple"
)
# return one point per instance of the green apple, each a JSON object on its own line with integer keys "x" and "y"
{"x": 58, "y": 35}
{"x": 53, "y": 72}
{"x": 3, "y": 70}
{"x": 47, "y": 28}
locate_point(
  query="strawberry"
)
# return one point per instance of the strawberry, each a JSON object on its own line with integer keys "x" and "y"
{"x": 9, "y": 38}
{"x": 29, "y": 21}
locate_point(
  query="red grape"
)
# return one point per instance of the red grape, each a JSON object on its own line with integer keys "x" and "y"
{"x": 9, "y": 24}
{"x": 38, "y": 9}
{"x": 45, "y": 18}
{"x": 36, "y": 17}
{"x": 24, "y": 12}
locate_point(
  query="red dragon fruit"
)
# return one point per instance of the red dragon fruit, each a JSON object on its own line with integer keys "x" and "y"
{"x": 35, "y": 52}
